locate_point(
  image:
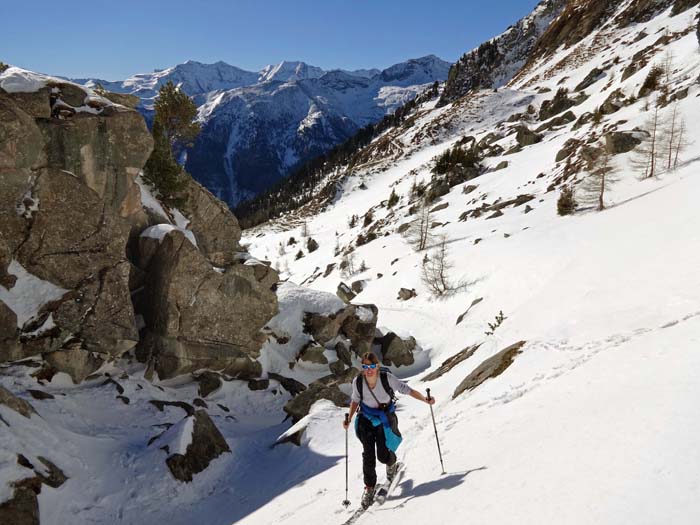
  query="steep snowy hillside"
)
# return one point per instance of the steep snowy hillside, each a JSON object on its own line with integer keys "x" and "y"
{"x": 592, "y": 419}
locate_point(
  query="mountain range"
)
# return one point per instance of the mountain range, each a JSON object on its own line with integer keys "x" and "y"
{"x": 257, "y": 126}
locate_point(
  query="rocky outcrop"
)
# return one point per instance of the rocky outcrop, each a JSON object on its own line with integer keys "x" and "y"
{"x": 198, "y": 316}
{"x": 494, "y": 62}
{"x": 490, "y": 368}
{"x": 525, "y": 137}
{"x": 357, "y": 323}
{"x": 452, "y": 362}
{"x": 617, "y": 142}
{"x": 20, "y": 406}
{"x": 214, "y": 226}
{"x": 397, "y": 351}
{"x": 69, "y": 202}
{"x": 206, "y": 444}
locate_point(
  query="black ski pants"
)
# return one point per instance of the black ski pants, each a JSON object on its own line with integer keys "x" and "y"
{"x": 373, "y": 438}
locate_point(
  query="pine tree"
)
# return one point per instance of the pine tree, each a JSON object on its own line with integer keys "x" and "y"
{"x": 174, "y": 128}
{"x": 566, "y": 204}
{"x": 162, "y": 172}
{"x": 177, "y": 114}
{"x": 393, "y": 199}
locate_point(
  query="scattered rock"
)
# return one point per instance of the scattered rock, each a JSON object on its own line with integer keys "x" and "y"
{"x": 405, "y": 294}
{"x": 561, "y": 120}
{"x": 20, "y": 406}
{"x": 358, "y": 286}
{"x": 199, "y": 402}
{"x": 439, "y": 207}
{"x": 40, "y": 395}
{"x": 526, "y": 137}
{"x": 569, "y": 148}
{"x": 292, "y": 386}
{"x": 314, "y": 354}
{"x": 560, "y": 103}
{"x": 474, "y": 303}
{"x": 453, "y": 361}
{"x": 311, "y": 245}
{"x": 329, "y": 269}
{"x": 591, "y": 78}
{"x": 208, "y": 382}
{"x": 207, "y": 444}
{"x": 258, "y": 384}
{"x": 501, "y": 166}
{"x": 397, "y": 351}
{"x": 160, "y": 405}
{"x": 491, "y": 367}
{"x": 299, "y": 406}
{"x": 617, "y": 142}
{"x": 345, "y": 293}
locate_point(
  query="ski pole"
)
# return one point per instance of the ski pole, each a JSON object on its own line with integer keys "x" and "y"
{"x": 436, "y": 434}
{"x": 346, "y": 502}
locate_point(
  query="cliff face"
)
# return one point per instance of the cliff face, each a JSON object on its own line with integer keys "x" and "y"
{"x": 69, "y": 162}
{"x": 495, "y": 62}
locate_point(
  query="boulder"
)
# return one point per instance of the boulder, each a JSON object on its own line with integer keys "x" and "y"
{"x": 208, "y": 382}
{"x": 324, "y": 328}
{"x": 617, "y": 142}
{"x": 314, "y": 354}
{"x": 490, "y": 368}
{"x": 20, "y": 406}
{"x": 452, "y": 362}
{"x": 397, "y": 351}
{"x": 10, "y": 349}
{"x": 299, "y": 406}
{"x": 311, "y": 245}
{"x": 560, "y": 120}
{"x": 591, "y": 78}
{"x": 405, "y": 294}
{"x": 207, "y": 444}
{"x": 526, "y": 137}
{"x": 560, "y": 103}
{"x": 613, "y": 103}
{"x": 214, "y": 226}
{"x": 569, "y": 148}
{"x": 292, "y": 386}
{"x": 198, "y": 316}
{"x": 360, "y": 326}
{"x": 345, "y": 293}
{"x": 75, "y": 360}
{"x": 500, "y": 166}
{"x": 358, "y": 286}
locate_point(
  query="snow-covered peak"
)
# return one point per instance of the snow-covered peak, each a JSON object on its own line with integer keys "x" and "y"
{"x": 416, "y": 70}
{"x": 286, "y": 71}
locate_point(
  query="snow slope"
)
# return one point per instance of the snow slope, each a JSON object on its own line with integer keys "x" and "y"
{"x": 594, "y": 422}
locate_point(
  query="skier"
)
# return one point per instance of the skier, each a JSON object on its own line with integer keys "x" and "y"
{"x": 377, "y": 424}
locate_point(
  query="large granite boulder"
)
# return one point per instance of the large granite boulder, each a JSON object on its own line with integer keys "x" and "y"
{"x": 69, "y": 199}
{"x": 617, "y": 142}
{"x": 526, "y": 137}
{"x": 199, "y": 316}
{"x": 216, "y": 229}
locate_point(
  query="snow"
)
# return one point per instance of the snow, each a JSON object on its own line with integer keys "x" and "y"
{"x": 148, "y": 199}
{"x": 159, "y": 231}
{"x": 178, "y": 437}
{"x": 18, "y": 80}
{"x": 594, "y": 422}
{"x": 28, "y": 294}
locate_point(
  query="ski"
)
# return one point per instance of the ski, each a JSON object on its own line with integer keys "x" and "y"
{"x": 383, "y": 492}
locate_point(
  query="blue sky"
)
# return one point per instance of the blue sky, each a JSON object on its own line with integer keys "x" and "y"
{"x": 113, "y": 40}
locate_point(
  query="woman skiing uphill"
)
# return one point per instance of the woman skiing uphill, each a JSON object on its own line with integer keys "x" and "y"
{"x": 377, "y": 424}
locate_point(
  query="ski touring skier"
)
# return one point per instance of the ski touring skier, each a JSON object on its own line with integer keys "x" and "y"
{"x": 376, "y": 425}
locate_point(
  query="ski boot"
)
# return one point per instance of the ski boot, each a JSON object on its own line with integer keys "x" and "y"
{"x": 367, "y": 497}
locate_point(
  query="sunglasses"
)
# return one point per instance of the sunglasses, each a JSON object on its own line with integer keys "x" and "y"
{"x": 369, "y": 367}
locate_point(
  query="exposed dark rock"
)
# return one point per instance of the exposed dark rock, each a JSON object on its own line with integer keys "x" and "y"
{"x": 591, "y": 78}
{"x": 75, "y": 361}
{"x": 314, "y": 354}
{"x": 464, "y": 314}
{"x": 451, "y": 362}
{"x": 358, "y": 286}
{"x": 405, "y": 294}
{"x": 526, "y": 137}
{"x": 345, "y": 293}
{"x": 20, "y": 406}
{"x": 299, "y": 406}
{"x": 207, "y": 444}
{"x": 613, "y": 103}
{"x": 292, "y": 386}
{"x": 329, "y": 269}
{"x": 199, "y": 402}
{"x": 440, "y": 207}
{"x": 258, "y": 384}
{"x": 569, "y": 148}
{"x": 560, "y": 103}
{"x": 490, "y": 368}
{"x": 311, "y": 245}
{"x": 160, "y": 405}
{"x": 397, "y": 351}
{"x": 501, "y": 166}
{"x": 561, "y": 120}
{"x": 617, "y": 142}
{"x": 208, "y": 382}
{"x": 40, "y": 395}
{"x": 23, "y": 507}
